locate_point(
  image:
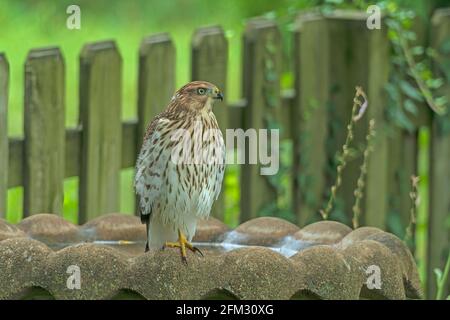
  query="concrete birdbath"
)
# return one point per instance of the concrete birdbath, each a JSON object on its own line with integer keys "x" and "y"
{"x": 47, "y": 257}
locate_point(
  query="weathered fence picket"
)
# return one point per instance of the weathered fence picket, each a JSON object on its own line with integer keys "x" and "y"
{"x": 311, "y": 57}
{"x": 156, "y": 79}
{"x": 402, "y": 165}
{"x": 210, "y": 63}
{"x": 44, "y": 128}
{"x": 341, "y": 53}
{"x": 376, "y": 55}
{"x": 100, "y": 115}
{"x": 439, "y": 199}
{"x": 261, "y": 89}
{"x": 4, "y": 80}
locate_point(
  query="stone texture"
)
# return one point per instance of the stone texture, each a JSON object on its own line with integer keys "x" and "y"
{"x": 103, "y": 271}
{"x": 114, "y": 226}
{"x": 22, "y": 265}
{"x": 259, "y": 273}
{"x": 8, "y": 231}
{"x": 364, "y": 256}
{"x": 323, "y": 232}
{"x": 210, "y": 230}
{"x": 50, "y": 228}
{"x": 324, "y": 271}
{"x": 160, "y": 274}
{"x": 408, "y": 265}
{"x": 333, "y": 265}
{"x": 263, "y": 231}
{"x": 359, "y": 234}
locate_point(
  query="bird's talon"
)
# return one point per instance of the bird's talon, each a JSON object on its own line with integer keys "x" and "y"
{"x": 195, "y": 249}
{"x": 182, "y": 244}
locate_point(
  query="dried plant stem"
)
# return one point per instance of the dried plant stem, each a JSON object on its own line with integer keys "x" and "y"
{"x": 414, "y": 196}
{"x": 355, "y": 116}
{"x": 359, "y": 191}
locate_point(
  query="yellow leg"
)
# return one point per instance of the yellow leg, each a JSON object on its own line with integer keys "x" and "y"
{"x": 182, "y": 243}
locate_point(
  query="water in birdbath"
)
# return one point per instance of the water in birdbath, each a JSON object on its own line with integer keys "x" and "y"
{"x": 288, "y": 246}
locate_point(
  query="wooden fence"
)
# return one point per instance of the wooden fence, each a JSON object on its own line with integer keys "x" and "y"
{"x": 331, "y": 56}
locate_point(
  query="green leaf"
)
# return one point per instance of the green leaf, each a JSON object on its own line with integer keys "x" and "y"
{"x": 441, "y": 101}
{"x": 410, "y": 35}
{"x": 418, "y": 50}
{"x": 435, "y": 83}
{"x": 393, "y": 24}
{"x": 401, "y": 119}
{"x": 393, "y": 92}
{"x": 410, "y": 91}
{"x": 410, "y": 106}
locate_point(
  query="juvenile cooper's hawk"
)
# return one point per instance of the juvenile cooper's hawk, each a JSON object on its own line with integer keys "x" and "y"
{"x": 180, "y": 167}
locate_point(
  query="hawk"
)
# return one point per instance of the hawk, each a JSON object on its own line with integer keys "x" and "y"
{"x": 180, "y": 167}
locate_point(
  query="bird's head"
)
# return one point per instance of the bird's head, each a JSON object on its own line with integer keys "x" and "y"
{"x": 197, "y": 95}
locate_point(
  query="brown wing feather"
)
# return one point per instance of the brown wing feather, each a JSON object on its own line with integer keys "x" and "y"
{"x": 145, "y": 216}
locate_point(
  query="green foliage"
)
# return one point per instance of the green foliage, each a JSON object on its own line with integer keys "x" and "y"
{"x": 412, "y": 82}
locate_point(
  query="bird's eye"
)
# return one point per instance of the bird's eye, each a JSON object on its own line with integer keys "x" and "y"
{"x": 201, "y": 91}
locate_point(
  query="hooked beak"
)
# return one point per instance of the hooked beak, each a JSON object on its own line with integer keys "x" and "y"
{"x": 219, "y": 96}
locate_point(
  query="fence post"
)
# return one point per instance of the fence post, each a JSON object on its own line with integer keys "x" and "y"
{"x": 210, "y": 63}
{"x": 403, "y": 152}
{"x": 438, "y": 229}
{"x": 156, "y": 79}
{"x": 311, "y": 63}
{"x": 377, "y": 60}
{"x": 4, "y": 81}
{"x": 44, "y": 129}
{"x": 261, "y": 88}
{"x": 100, "y": 117}
{"x": 335, "y": 53}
